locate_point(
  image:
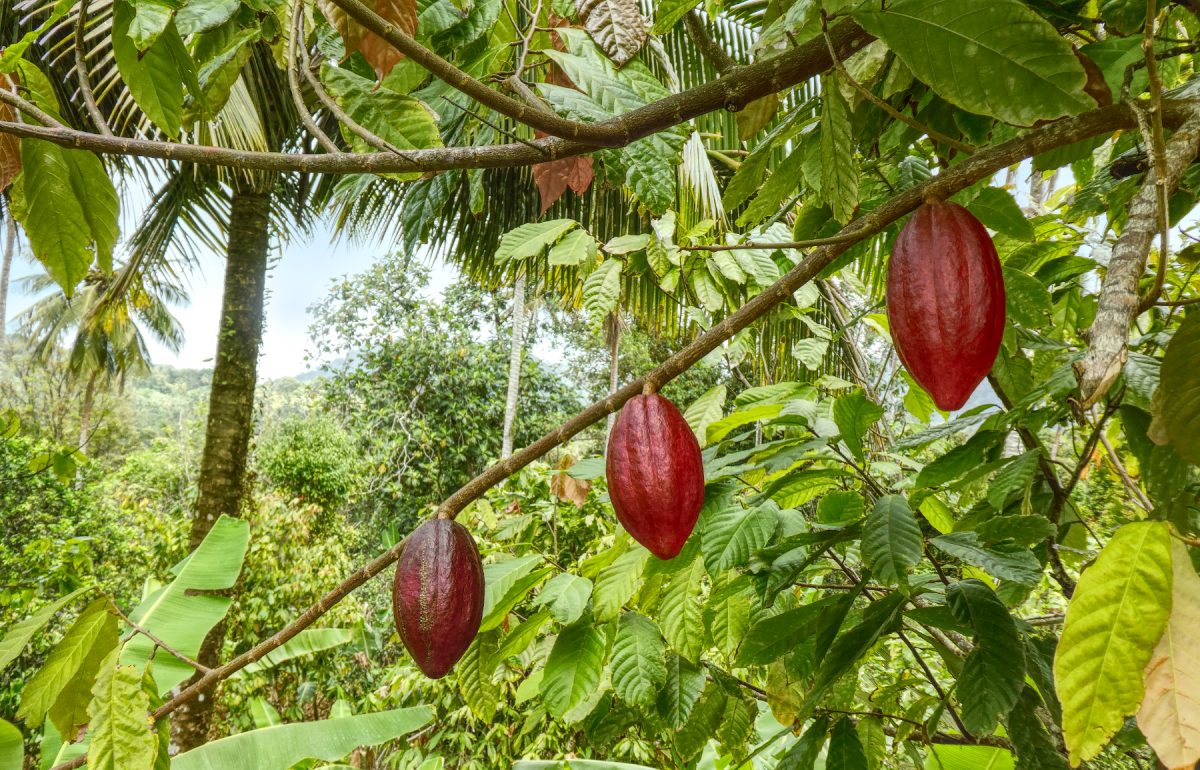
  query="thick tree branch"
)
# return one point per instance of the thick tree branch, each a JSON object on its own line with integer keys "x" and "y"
{"x": 1118, "y": 303}
{"x": 717, "y": 56}
{"x": 981, "y": 165}
{"x": 81, "y": 73}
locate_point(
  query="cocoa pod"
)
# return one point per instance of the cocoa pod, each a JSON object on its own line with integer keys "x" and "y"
{"x": 655, "y": 474}
{"x": 437, "y": 597}
{"x": 945, "y": 301}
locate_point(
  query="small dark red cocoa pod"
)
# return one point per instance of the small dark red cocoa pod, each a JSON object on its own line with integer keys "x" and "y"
{"x": 437, "y": 598}
{"x": 945, "y": 301}
{"x": 655, "y": 474}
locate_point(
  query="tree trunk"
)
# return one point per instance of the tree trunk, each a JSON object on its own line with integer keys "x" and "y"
{"x": 10, "y": 246}
{"x": 514, "y": 367}
{"x": 230, "y": 413}
{"x": 613, "y": 327}
{"x": 85, "y": 412}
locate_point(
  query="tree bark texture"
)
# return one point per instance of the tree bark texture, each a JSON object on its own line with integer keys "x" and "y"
{"x": 1108, "y": 338}
{"x": 230, "y": 412}
{"x": 514, "y": 367}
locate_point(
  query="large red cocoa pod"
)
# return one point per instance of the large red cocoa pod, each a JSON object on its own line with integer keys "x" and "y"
{"x": 655, "y": 474}
{"x": 437, "y": 598}
{"x": 945, "y": 301}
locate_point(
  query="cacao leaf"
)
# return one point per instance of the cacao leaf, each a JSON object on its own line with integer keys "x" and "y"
{"x": 727, "y": 616}
{"x": 554, "y": 177}
{"x": 845, "y": 749}
{"x": 475, "y": 673}
{"x": 994, "y": 672}
{"x": 618, "y": 582}
{"x": 1017, "y": 565}
{"x": 13, "y": 643}
{"x": 519, "y": 639}
{"x": 576, "y": 247}
{"x": 773, "y": 637}
{"x": 680, "y": 690}
{"x": 505, "y": 584}
{"x": 874, "y": 741}
{"x": 573, "y": 669}
{"x": 891, "y": 542}
{"x": 71, "y": 658}
{"x": 1014, "y": 477}
{"x": 12, "y": 746}
{"x": 201, "y": 15}
{"x": 120, "y": 733}
{"x": 1169, "y": 716}
{"x": 839, "y": 170}
{"x": 401, "y": 120}
{"x": 1033, "y": 743}
{"x": 602, "y": 288}
{"x": 804, "y": 752}
{"x": 617, "y": 27}
{"x": 680, "y": 610}
{"x": 989, "y": 57}
{"x": 1178, "y": 396}
{"x": 881, "y": 617}
{"x": 996, "y": 208}
{"x": 638, "y": 660}
{"x": 667, "y": 13}
{"x": 733, "y": 534}
{"x": 705, "y": 410}
{"x": 854, "y": 414}
{"x": 703, "y": 722}
{"x": 567, "y": 596}
{"x": 1113, "y": 623}
{"x": 153, "y": 76}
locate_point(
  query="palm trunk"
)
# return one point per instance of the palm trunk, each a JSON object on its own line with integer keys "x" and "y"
{"x": 514, "y": 367}
{"x": 10, "y": 246}
{"x": 230, "y": 413}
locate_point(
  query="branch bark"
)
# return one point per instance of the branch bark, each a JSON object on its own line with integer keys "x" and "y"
{"x": 1117, "y": 306}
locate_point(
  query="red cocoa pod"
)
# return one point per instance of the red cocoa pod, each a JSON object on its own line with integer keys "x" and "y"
{"x": 437, "y": 598}
{"x": 655, "y": 474}
{"x": 945, "y": 301}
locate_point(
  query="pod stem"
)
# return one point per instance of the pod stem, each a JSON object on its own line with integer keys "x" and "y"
{"x": 649, "y": 388}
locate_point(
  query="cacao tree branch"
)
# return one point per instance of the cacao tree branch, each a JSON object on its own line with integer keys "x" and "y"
{"x": 979, "y": 166}
{"x": 1119, "y": 301}
{"x": 306, "y": 117}
{"x": 81, "y": 73}
{"x": 717, "y": 56}
{"x": 1158, "y": 153}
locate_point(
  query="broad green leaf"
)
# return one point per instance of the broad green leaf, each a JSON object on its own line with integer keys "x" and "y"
{"x": 1032, "y": 742}
{"x": 567, "y": 596}
{"x": 531, "y": 239}
{"x": 618, "y": 582}
{"x": 680, "y": 690}
{"x": 733, "y": 534}
{"x": 182, "y": 612}
{"x": 506, "y": 583}
{"x": 573, "y": 669}
{"x": 475, "y": 675}
{"x": 704, "y": 411}
{"x": 994, "y": 672}
{"x": 959, "y": 460}
{"x": 638, "y": 660}
{"x": 746, "y": 416}
{"x": 991, "y": 57}
{"x": 1017, "y": 565}
{"x": 680, "y": 611}
{"x": 881, "y": 617}
{"x": 727, "y": 616}
{"x": 703, "y": 723}
{"x": 602, "y": 288}
{"x": 1178, "y": 399}
{"x": 576, "y": 247}
{"x": 308, "y": 642}
{"x": 707, "y": 291}
{"x": 520, "y": 637}
{"x": 845, "y": 749}
{"x": 1113, "y": 623}
{"x": 1025, "y": 530}
{"x": 841, "y": 508}
{"x": 19, "y": 635}
{"x": 95, "y": 627}
{"x": 1169, "y": 716}
{"x": 150, "y": 18}
{"x": 854, "y": 414}
{"x": 70, "y": 709}
{"x": 402, "y": 120}
{"x": 839, "y": 170}
{"x": 669, "y": 12}
{"x": 804, "y": 752}
{"x": 1027, "y": 300}
{"x": 152, "y": 76}
{"x": 1013, "y": 478}
{"x": 998, "y": 210}
{"x": 200, "y": 15}
{"x": 775, "y": 636}
{"x": 627, "y": 244}
{"x": 737, "y": 723}
{"x": 12, "y": 747}
{"x": 968, "y": 758}
{"x": 874, "y": 741}
{"x": 278, "y": 748}
{"x": 891, "y": 542}
{"x": 121, "y": 734}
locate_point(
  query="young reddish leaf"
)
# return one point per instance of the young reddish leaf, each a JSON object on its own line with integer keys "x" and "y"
{"x": 554, "y": 177}
{"x": 10, "y": 151}
{"x": 377, "y": 51}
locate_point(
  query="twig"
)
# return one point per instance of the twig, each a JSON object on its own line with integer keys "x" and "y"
{"x": 81, "y": 72}
{"x": 1126, "y": 479}
{"x": 720, "y": 59}
{"x": 294, "y": 83}
{"x": 359, "y": 130}
{"x": 493, "y": 126}
{"x": 13, "y": 99}
{"x": 807, "y": 244}
{"x": 137, "y": 629}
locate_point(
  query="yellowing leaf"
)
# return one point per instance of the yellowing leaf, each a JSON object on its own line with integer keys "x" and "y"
{"x": 1170, "y": 714}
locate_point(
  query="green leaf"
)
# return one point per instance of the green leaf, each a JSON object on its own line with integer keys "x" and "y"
{"x": 1025, "y": 530}
{"x": 150, "y": 18}
{"x": 639, "y": 667}
{"x": 854, "y": 415}
{"x": 1178, "y": 400}
{"x": 573, "y": 669}
{"x": 994, "y": 672}
{"x": 680, "y": 690}
{"x": 1034, "y": 746}
{"x": 475, "y": 675}
{"x": 1017, "y": 565}
{"x": 627, "y": 244}
{"x": 1026, "y": 299}
{"x": 703, "y": 722}
{"x": 152, "y": 76}
{"x": 1014, "y": 477}
{"x": 968, "y": 758}
{"x": 958, "y": 461}
{"x": 12, "y": 747}
{"x": 881, "y": 617}
{"x": 669, "y": 12}
{"x": 618, "y": 582}
{"x": 891, "y": 543}
{"x": 505, "y": 583}
{"x": 567, "y": 596}
{"x": 70, "y": 709}
{"x": 19, "y": 635}
{"x": 998, "y": 210}
{"x": 733, "y": 534}
{"x": 1113, "y": 622}
{"x": 602, "y": 288}
{"x": 845, "y": 749}
{"x": 95, "y": 627}
{"x": 804, "y": 752}
{"x": 520, "y": 637}
{"x": 576, "y": 247}
{"x": 280, "y": 747}
{"x": 704, "y": 411}
{"x": 727, "y": 616}
{"x": 308, "y": 642}
{"x": 773, "y": 637}
{"x": 874, "y": 741}
{"x": 837, "y": 509}
{"x": 200, "y": 15}
{"x": 991, "y": 57}
{"x": 681, "y": 615}
{"x": 402, "y": 120}
{"x": 839, "y": 171}
{"x": 182, "y": 612}
{"x": 53, "y": 217}
{"x": 745, "y": 416}
{"x": 120, "y": 734}
{"x": 531, "y": 239}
